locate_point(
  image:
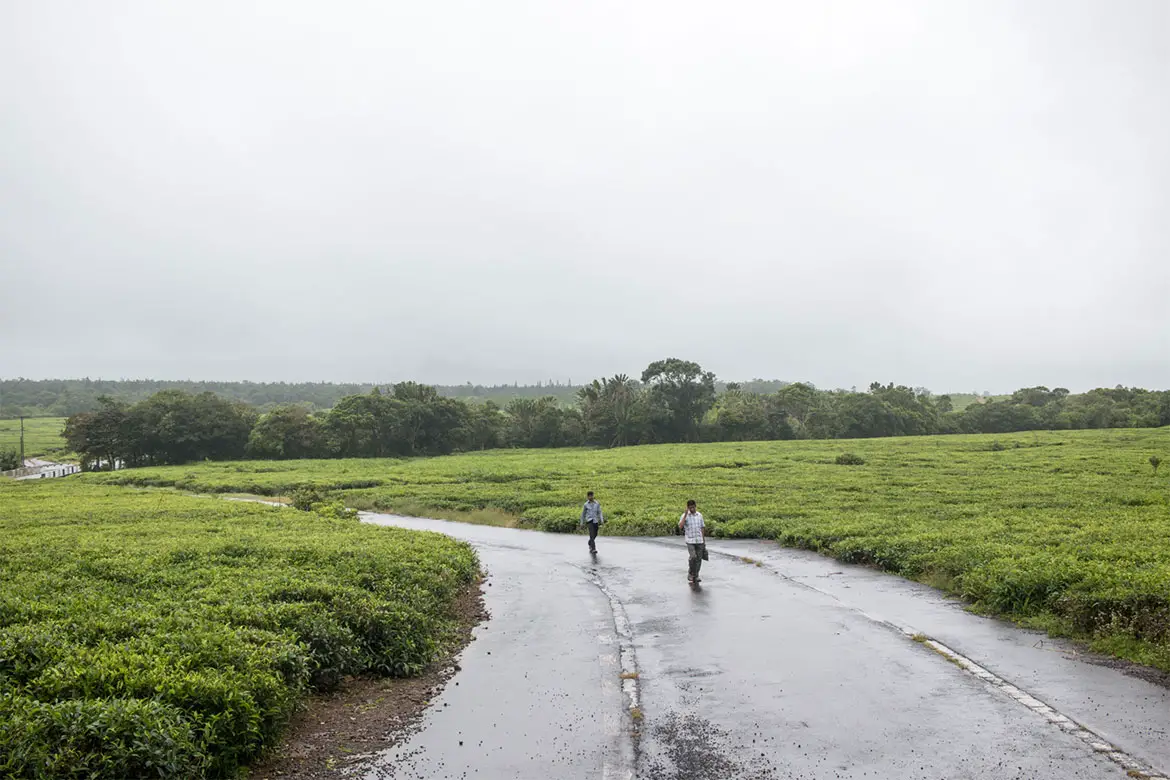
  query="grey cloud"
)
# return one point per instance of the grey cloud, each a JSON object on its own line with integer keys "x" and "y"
{"x": 956, "y": 195}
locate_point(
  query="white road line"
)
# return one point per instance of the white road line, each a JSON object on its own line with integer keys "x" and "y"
{"x": 1062, "y": 722}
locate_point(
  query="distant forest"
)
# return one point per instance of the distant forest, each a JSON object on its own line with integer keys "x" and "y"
{"x": 672, "y": 401}
{"x": 66, "y": 397}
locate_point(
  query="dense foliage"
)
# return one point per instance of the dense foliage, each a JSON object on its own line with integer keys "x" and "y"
{"x": 1069, "y": 527}
{"x": 147, "y": 634}
{"x": 675, "y": 401}
{"x": 65, "y": 397}
{"x": 169, "y": 427}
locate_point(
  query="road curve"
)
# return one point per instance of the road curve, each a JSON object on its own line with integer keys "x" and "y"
{"x": 782, "y": 664}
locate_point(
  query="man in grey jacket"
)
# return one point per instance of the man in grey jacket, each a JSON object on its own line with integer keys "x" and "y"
{"x": 592, "y": 518}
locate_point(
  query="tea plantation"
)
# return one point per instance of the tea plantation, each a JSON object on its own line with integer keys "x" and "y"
{"x": 150, "y": 634}
{"x": 1067, "y": 530}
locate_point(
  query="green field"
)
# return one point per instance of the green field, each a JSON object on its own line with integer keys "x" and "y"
{"x": 42, "y": 436}
{"x": 146, "y": 633}
{"x": 1068, "y": 530}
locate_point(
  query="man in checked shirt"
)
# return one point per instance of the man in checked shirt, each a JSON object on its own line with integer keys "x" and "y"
{"x": 692, "y": 526}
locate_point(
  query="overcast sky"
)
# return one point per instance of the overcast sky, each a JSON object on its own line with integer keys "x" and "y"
{"x": 957, "y": 195}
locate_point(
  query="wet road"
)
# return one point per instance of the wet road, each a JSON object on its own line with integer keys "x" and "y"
{"x": 781, "y": 664}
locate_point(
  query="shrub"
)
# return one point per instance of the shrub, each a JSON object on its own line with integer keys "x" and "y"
{"x": 560, "y": 525}
{"x": 645, "y": 526}
{"x": 303, "y": 498}
{"x": 334, "y": 510}
{"x": 170, "y": 636}
{"x": 849, "y": 459}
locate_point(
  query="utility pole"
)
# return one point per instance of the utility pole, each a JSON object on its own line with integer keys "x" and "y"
{"x": 22, "y": 441}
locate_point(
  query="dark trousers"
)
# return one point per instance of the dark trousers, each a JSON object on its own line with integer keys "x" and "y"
{"x": 593, "y": 534}
{"x": 694, "y": 558}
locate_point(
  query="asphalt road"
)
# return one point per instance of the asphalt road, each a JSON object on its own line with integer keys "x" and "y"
{"x": 780, "y": 664}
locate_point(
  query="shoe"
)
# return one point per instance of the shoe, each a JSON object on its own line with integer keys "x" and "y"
{"x": 698, "y": 579}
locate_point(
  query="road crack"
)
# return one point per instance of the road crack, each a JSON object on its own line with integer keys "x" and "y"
{"x": 623, "y": 767}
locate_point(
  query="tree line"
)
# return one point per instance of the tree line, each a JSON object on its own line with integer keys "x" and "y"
{"x": 672, "y": 401}
{"x": 65, "y": 397}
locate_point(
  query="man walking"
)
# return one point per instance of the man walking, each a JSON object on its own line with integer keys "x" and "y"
{"x": 591, "y": 516}
{"x": 692, "y": 526}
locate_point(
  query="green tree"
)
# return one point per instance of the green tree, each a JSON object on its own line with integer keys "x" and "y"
{"x": 9, "y": 460}
{"x": 542, "y": 422}
{"x": 485, "y": 427}
{"x": 680, "y": 393}
{"x": 423, "y": 423}
{"x": 614, "y": 411}
{"x": 177, "y": 427}
{"x": 100, "y": 436}
{"x": 799, "y": 401}
{"x": 288, "y": 432}
{"x": 908, "y": 411}
{"x": 738, "y": 416}
{"x": 999, "y": 417}
{"x": 355, "y": 426}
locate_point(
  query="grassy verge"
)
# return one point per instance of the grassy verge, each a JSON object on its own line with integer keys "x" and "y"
{"x": 155, "y": 634}
{"x": 1069, "y": 530}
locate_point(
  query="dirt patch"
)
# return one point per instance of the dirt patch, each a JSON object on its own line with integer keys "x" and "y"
{"x": 337, "y": 732}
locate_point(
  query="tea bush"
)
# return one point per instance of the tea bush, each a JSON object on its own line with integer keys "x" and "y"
{"x": 303, "y": 498}
{"x": 149, "y": 634}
